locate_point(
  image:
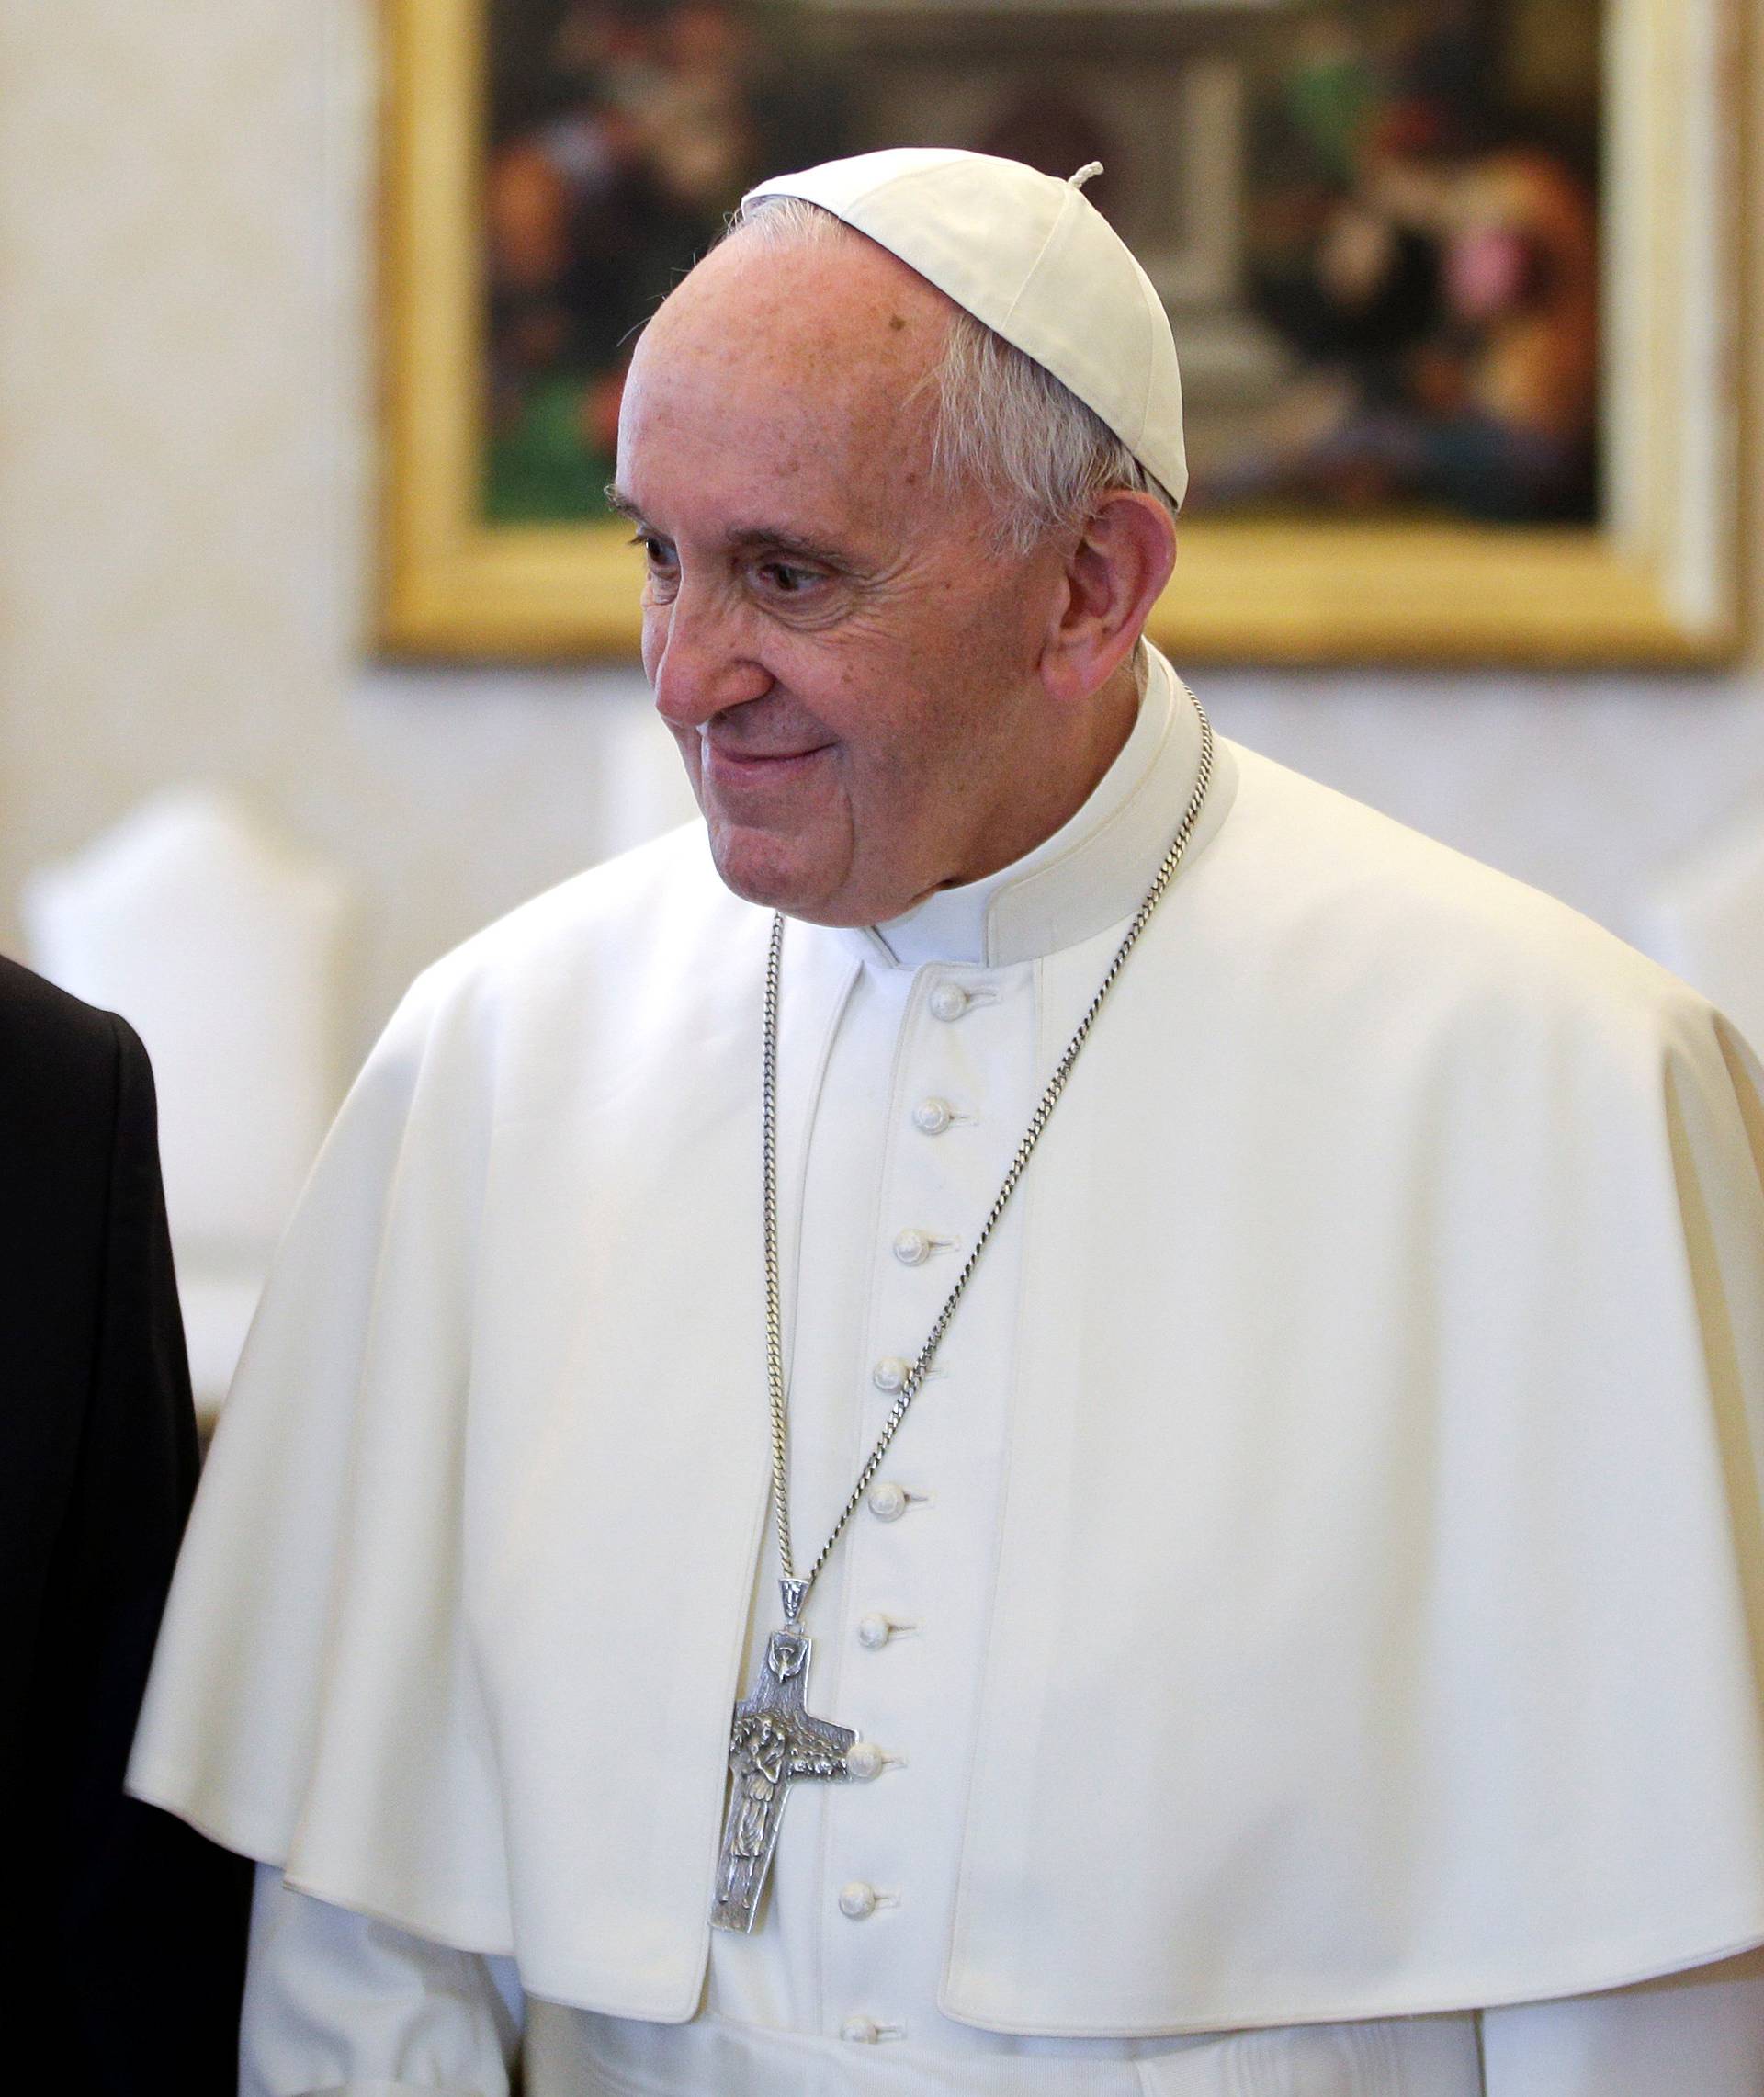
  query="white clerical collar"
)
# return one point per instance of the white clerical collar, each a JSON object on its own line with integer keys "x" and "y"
{"x": 1090, "y": 874}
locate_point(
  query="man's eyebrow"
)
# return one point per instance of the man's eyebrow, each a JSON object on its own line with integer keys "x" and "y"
{"x": 743, "y": 538}
{"x": 769, "y": 538}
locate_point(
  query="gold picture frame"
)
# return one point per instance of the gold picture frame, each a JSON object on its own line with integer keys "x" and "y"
{"x": 1658, "y": 583}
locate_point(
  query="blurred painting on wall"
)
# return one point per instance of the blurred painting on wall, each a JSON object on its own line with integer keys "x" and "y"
{"x": 621, "y": 133}
{"x": 1373, "y": 224}
{"x": 1378, "y": 227}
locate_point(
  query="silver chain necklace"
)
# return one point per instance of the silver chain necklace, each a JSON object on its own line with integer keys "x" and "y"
{"x": 773, "y": 1741}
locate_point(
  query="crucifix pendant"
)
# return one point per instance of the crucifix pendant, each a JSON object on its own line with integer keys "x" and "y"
{"x": 773, "y": 1744}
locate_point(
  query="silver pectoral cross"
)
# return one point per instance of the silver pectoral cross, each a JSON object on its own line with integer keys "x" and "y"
{"x": 773, "y": 1743}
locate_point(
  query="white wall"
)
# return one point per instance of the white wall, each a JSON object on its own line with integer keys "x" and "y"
{"x": 185, "y": 387}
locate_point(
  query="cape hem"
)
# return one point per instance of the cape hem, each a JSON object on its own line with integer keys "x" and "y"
{"x": 250, "y": 1838}
{"x": 1597, "y": 1978}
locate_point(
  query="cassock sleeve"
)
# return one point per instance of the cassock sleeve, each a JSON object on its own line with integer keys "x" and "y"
{"x": 1694, "y": 2035}
{"x": 341, "y": 2004}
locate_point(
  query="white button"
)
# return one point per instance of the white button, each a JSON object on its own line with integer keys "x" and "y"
{"x": 861, "y": 2031}
{"x": 887, "y": 1501}
{"x": 857, "y": 1901}
{"x": 948, "y": 1001}
{"x": 890, "y": 1372}
{"x": 864, "y": 1760}
{"x": 911, "y": 1248}
{"x": 932, "y": 1115}
{"x": 873, "y": 1630}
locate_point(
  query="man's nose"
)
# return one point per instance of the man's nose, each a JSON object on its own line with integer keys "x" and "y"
{"x": 705, "y": 664}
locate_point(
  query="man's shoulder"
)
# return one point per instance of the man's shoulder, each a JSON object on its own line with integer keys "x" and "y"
{"x": 671, "y": 882}
{"x": 1372, "y": 903}
{"x": 75, "y": 1088}
{"x": 54, "y": 1046}
{"x": 636, "y": 929}
{"x": 32, "y": 1009}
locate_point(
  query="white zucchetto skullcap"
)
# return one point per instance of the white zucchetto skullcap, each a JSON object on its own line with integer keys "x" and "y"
{"x": 1033, "y": 259}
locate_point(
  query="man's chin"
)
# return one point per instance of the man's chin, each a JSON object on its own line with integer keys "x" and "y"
{"x": 777, "y": 873}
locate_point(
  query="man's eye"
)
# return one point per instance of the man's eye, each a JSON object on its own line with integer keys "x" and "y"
{"x": 787, "y": 580}
{"x": 656, "y": 551}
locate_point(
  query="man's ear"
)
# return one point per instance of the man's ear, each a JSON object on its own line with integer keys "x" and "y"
{"x": 1114, "y": 574}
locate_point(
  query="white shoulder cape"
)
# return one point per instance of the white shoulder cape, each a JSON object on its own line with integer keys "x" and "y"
{"x": 1378, "y": 1620}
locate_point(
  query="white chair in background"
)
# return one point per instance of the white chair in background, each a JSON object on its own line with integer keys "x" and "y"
{"x": 222, "y": 950}
{"x": 1704, "y": 920}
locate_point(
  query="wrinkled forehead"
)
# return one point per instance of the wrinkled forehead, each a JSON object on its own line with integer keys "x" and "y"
{"x": 803, "y": 367}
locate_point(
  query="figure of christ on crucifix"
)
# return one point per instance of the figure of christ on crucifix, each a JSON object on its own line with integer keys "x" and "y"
{"x": 773, "y": 1743}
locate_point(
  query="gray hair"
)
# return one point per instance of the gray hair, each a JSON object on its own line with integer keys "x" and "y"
{"x": 1000, "y": 421}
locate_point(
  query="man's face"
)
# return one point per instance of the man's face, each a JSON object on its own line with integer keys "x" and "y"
{"x": 849, "y": 667}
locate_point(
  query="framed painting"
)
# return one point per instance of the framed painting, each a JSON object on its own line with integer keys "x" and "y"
{"x": 1451, "y": 283}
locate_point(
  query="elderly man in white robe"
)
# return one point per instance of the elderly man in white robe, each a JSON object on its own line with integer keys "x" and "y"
{"x": 1188, "y": 1363}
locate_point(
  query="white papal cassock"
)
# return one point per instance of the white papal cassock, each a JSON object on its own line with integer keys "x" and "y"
{"x": 1314, "y": 1601}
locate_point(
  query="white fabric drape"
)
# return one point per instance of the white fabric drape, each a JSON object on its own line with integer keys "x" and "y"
{"x": 1361, "y": 1621}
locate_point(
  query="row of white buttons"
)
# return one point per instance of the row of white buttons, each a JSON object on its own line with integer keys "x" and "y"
{"x": 888, "y": 1501}
{"x": 857, "y": 1901}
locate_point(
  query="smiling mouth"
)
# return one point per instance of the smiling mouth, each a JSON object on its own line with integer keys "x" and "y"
{"x": 719, "y": 758}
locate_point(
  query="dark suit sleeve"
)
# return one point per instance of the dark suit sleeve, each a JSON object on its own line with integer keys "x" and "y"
{"x": 143, "y": 1922}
